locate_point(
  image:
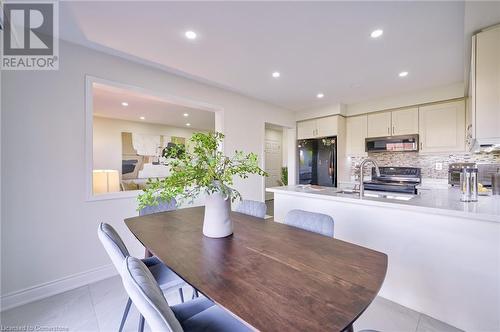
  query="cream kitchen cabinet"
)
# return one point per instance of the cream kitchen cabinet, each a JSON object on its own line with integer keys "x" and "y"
{"x": 442, "y": 127}
{"x": 327, "y": 126}
{"x": 405, "y": 121}
{"x": 322, "y": 127}
{"x": 306, "y": 129}
{"x": 356, "y": 128}
{"x": 485, "y": 87}
{"x": 379, "y": 124}
{"x": 391, "y": 123}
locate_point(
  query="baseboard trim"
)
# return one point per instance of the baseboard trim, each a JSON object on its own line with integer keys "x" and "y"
{"x": 24, "y": 296}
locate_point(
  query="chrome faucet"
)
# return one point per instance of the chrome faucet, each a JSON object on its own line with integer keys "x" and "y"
{"x": 361, "y": 166}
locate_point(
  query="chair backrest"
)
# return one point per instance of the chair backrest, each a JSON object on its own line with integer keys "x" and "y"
{"x": 161, "y": 207}
{"x": 147, "y": 296}
{"x": 113, "y": 244}
{"x": 310, "y": 221}
{"x": 252, "y": 208}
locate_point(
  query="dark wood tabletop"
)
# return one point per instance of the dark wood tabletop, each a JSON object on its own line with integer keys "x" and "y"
{"x": 272, "y": 276}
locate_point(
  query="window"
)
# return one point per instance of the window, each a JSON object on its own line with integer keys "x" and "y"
{"x": 130, "y": 130}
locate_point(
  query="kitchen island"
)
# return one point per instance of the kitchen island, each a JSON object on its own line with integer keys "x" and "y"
{"x": 444, "y": 255}
{"x": 437, "y": 201}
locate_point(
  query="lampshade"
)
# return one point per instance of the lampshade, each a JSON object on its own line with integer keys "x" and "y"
{"x": 105, "y": 181}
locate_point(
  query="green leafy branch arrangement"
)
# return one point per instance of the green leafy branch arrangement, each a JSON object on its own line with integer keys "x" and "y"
{"x": 200, "y": 167}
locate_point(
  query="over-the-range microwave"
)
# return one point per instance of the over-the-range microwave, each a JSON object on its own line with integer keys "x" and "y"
{"x": 404, "y": 143}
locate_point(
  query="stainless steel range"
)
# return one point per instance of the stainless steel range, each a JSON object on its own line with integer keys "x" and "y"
{"x": 395, "y": 179}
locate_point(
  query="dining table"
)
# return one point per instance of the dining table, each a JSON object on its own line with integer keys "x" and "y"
{"x": 271, "y": 276}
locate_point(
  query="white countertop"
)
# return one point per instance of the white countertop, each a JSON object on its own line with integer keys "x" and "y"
{"x": 436, "y": 201}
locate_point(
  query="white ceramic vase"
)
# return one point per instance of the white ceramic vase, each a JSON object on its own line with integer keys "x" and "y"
{"x": 217, "y": 222}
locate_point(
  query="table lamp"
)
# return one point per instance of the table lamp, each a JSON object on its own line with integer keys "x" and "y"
{"x": 105, "y": 181}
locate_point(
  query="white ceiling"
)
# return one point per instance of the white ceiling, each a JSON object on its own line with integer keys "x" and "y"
{"x": 317, "y": 46}
{"x": 107, "y": 102}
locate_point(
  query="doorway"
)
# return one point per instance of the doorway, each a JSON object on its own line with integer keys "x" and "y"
{"x": 275, "y": 161}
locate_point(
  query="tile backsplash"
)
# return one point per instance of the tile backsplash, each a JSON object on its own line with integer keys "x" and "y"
{"x": 426, "y": 162}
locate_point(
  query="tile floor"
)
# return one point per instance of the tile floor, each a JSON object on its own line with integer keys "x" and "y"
{"x": 99, "y": 307}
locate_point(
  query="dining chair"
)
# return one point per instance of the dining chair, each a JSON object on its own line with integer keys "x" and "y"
{"x": 117, "y": 251}
{"x": 252, "y": 208}
{"x": 161, "y": 207}
{"x": 310, "y": 221}
{"x": 196, "y": 315}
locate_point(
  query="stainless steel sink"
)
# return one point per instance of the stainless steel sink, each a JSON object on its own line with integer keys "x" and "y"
{"x": 377, "y": 194}
{"x": 348, "y": 192}
{"x": 399, "y": 197}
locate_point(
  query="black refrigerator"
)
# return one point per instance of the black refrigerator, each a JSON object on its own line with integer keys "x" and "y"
{"x": 318, "y": 161}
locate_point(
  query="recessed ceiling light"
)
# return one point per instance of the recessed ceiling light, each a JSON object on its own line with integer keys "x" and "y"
{"x": 185, "y": 115}
{"x": 276, "y": 74}
{"x": 320, "y": 95}
{"x": 190, "y": 35}
{"x": 403, "y": 74}
{"x": 124, "y": 104}
{"x": 377, "y": 33}
{"x": 142, "y": 118}
{"x": 188, "y": 124}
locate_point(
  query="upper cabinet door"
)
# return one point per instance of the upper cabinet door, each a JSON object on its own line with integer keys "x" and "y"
{"x": 327, "y": 126}
{"x": 356, "y": 127}
{"x": 306, "y": 129}
{"x": 487, "y": 89}
{"x": 379, "y": 124}
{"x": 442, "y": 127}
{"x": 405, "y": 122}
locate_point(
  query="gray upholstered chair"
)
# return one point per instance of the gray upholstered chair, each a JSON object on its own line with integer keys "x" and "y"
{"x": 310, "y": 221}
{"x": 117, "y": 251}
{"x": 196, "y": 315}
{"x": 161, "y": 207}
{"x": 252, "y": 208}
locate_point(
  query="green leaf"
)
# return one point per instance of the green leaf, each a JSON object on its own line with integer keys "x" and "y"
{"x": 200, "y": 167}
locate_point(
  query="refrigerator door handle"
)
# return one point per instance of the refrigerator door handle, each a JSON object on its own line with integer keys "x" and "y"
{"x": 330, "y": 166}
{"x": 333, "y": 160}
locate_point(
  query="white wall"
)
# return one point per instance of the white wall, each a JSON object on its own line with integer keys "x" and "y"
{"x": 284, "y": 144}
{"x": 48, "y": 229}
{"x": 108, "y": 139}
{"x": 291, "y": 137}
